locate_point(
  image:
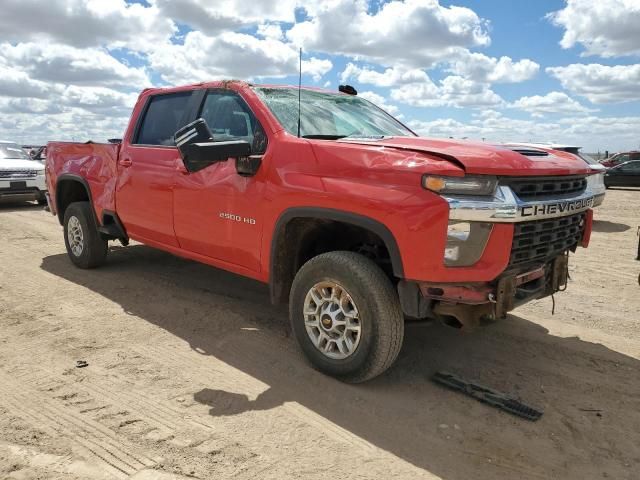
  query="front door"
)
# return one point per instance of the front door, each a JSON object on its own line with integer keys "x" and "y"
{"x": 218, "y": 213}
{"x": 147, "y": 170}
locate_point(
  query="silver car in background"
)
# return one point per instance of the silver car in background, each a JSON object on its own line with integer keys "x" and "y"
{"x": 21, "y": 178}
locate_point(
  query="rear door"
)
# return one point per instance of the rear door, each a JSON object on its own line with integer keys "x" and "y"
{"x": 217, "y": 212}
{"x": 147, "y": 169}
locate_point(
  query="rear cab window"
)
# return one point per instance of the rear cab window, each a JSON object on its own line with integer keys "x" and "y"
{"x": 163, "y": 116}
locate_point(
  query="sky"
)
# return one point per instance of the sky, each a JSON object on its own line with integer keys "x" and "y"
{"x": 498, "y": 71}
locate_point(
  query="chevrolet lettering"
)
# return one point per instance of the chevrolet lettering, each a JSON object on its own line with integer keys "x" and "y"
{"x": 547, "y": 209}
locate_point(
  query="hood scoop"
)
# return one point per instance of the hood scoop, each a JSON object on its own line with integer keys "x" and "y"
{"x": 529, "y": 152}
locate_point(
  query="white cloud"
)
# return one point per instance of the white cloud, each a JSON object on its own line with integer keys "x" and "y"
{"x": 592, "y": 133}
{"x": 416, "y": 33}
{"x": 600, "y": 83}
{"x": 71, "y": 124}
{"x": 230, "y": 55}
{"x": 481, "y": 68}
{"x": 381, "y": 102}
{"x": 389, "y": 78}
{"x": 270, "y": 30}
{"x": 603, "y": 27}
{"x": 553, "y": 102}
{"x": 55, "y": 63}
{"x": 453, "y": 91}
{"x": 316, "y": 68}
{"x": 16, "y": 83}
{"x": 213, "y": 17}
{"x": 85, "y": 23}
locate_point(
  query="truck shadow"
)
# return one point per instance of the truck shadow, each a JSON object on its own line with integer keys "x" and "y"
{"x": 609, "y": 227}
{"x": 589, "y": 392}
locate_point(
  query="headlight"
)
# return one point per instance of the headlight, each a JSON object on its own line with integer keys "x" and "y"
{"x": 467, "y": 185}
{"x": 596, "y": 180}
{"x": 465, "y": 242}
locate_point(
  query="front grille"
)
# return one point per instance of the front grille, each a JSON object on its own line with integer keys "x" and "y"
{"x": 542, "y": 240}
{"x": 541, "y": 188}
{"x": 18, "y": 173}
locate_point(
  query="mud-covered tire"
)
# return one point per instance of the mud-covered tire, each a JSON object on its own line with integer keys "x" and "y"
{"x": 86, "y": 249}
{"x": 379, "y": 314}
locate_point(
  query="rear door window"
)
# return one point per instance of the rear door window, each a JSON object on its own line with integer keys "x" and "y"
{"x": 164, "y": 116}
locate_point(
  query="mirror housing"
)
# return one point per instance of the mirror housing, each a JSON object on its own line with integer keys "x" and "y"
{"x": 248, "y": 166}
{"x": 197, "y": 156}
{"x": 198, "y": 150}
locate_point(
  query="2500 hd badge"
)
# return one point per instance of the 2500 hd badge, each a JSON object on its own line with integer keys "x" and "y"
{"x": 556, "y": 208}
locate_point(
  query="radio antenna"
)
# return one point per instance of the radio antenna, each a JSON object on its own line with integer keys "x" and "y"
{"x": 299, "y": 91}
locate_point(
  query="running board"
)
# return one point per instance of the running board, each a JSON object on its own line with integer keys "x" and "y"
{"x": 487, "y": 395}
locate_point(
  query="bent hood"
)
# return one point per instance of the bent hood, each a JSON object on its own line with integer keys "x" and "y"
{"x": 482, "y": 158}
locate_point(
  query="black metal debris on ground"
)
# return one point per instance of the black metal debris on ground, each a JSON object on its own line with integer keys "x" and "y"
{"x": 81, "y": 364}
{"x": 487, "y": 395}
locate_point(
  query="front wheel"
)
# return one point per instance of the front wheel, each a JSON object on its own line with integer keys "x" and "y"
{"x": 346, "y": 316}
{"x": 85, "y": 247}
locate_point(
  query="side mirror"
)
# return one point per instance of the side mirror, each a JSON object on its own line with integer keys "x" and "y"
{"x": 198, "y": 150}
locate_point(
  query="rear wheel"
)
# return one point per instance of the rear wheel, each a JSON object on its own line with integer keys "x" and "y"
{"x": 85, "y": 247}
{"x": 346, "y": 316}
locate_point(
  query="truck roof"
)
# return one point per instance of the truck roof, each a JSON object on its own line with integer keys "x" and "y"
{"x": 239, "y": 84}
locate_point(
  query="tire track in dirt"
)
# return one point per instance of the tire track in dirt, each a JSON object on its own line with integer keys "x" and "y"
{"x": 49, "y": 413}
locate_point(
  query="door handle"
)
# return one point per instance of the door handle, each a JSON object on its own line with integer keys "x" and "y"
{"x": 125, "y": 162}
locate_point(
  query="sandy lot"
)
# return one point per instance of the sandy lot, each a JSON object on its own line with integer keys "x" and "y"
{"x": 192, "y": 373}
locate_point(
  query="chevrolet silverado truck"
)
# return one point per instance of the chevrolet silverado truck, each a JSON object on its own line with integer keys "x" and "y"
{"x": 348, "y": 216}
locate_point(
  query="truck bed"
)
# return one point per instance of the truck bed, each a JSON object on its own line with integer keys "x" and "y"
{"x": 95, "y": 163}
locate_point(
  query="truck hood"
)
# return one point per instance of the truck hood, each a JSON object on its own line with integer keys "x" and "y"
{"x": 482, "y": 158}
{"x": 19, "y": 164}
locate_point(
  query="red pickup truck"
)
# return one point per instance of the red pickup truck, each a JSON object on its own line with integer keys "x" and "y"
{"x": 349, "y": 217}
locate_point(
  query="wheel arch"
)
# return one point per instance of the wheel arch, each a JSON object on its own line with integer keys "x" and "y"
{"x": 72, "y": 188}
{"x": 282, "y": 270}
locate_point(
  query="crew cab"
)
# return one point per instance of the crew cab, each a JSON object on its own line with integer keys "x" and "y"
{"x": 349, "y": 217}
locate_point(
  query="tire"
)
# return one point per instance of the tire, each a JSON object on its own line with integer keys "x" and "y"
{"x": 90, "y": 250}
{"x": 372, "y": 296}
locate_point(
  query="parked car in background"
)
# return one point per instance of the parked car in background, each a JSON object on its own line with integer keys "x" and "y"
{"x": 21, "y": 177}
{"x": 623, "y": 175}
{"x": 620, "y": 158}
{"x": 596, "y": 180}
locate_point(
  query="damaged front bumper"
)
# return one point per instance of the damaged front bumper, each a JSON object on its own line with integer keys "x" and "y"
{"x": 469, "y": 305}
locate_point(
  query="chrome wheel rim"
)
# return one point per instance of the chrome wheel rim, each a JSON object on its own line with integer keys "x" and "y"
{"x": 331, "y": 320}
{"x": 74, "y": 236}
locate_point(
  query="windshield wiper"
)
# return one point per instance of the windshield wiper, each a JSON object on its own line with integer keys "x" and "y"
{"x": 365, "y": 137}
{"x": 318, "y": 136}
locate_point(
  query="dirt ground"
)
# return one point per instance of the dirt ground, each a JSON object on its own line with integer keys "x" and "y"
{"x": 192, "y": 373}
